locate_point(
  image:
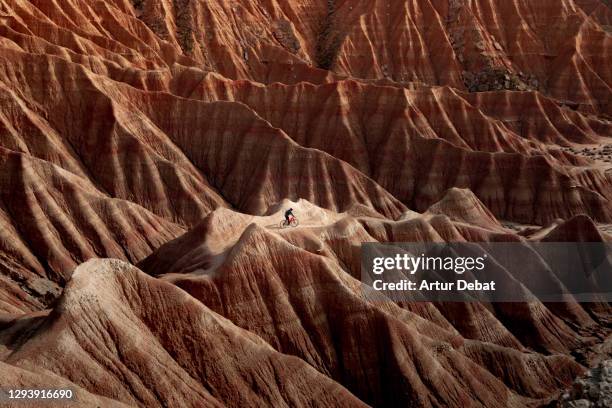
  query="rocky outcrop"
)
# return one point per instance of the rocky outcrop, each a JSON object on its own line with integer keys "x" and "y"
{"x": 593, "y": 390}
{"x": 491, "y": 79}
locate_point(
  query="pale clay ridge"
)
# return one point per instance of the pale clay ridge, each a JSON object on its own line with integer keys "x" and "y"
{"x": 222, "y": 229}
{"x": 197, "y": 252}
{"x": 248, "y": 259}
{"x": 122, "y": 319}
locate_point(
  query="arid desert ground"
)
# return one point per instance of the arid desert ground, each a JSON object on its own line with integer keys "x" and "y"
{"x": 150, "y": 148}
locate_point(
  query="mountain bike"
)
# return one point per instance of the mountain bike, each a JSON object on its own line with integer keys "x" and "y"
{"x": 293, "y": 222}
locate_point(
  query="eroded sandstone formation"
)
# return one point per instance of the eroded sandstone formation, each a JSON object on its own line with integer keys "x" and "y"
{"x": 169, "y": 137}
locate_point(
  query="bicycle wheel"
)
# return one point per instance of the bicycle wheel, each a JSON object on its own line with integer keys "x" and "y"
{"x": 294, "y": 222}
{"x": 283, "y": 224}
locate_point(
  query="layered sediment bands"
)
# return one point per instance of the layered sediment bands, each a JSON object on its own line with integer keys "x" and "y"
{"x": 491, "y": 121}
{"x": 463, "y": 206}
{"x": 98, "y": 136}
{"x": 105, "y": 334}
{"x": 53, "y": 220}
{"x": 531, "y": 192}
{"x": 311, "y": 322}
{"x": 560, "y": 47}
{"x": 173, "y": 135}
{"x": 157, "y": 130}
{"x": 388, "y": 132}
{"x": 554, "y": 42}
{"x": 258, "y": 153}
{"x": 370, "y": 127}
{"x": 539, "y": 327}
{"x": 527, "y": 373}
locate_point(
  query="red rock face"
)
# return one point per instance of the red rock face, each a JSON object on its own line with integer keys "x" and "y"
{"x": 169, "y": 137}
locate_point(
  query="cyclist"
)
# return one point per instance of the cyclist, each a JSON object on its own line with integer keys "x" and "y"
{"x": 289, "y": 216}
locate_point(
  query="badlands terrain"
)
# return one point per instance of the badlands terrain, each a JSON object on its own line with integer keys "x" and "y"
{"x": 149, "y": 148}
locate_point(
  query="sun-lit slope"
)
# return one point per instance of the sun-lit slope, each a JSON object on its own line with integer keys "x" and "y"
{"x": 52, "y": 220}
{"x": 174, "y": 135}
{"x": 293, "y": 288}
{"x": 200, "y": 252}
{"x": 168, "y": 139}
{"x": 138, "y": 340}
{"x": 558, "y": 46}
{"x": 15, "y": 332}
{"x": 73, "y": 142}
{"x": 382, "y": 131}
{"x": 73, "y": 121}
{"x": 492, "y": 121}
{"x": 389, "y": 134}
{"x": 555, "y": 47}
{"x": 462, "y": 206}
{"x": 121, "y": 171}
{"x": 255, "y": 165}
{"x": 417, "y": 144}
{"x": 86, "y": 32}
